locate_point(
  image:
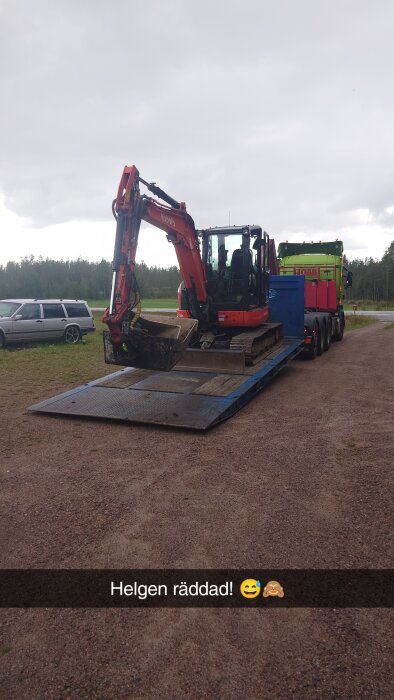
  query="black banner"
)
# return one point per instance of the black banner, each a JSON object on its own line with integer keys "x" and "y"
{"x": 196, "y": 588}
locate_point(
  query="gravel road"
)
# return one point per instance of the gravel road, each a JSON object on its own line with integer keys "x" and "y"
{"x": 300, "y": 478}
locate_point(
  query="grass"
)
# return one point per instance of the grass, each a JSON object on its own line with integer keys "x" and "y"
{"x": 355, "y": 322}
{"x": 168, "y": 303}
{"x": 146, "y": 303}
{"x": 40, "y": 369}
{"x": 365, "y": 305}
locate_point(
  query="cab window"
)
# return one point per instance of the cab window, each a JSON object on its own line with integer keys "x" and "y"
{"x": 30, "y": 311}
{"x": 222, "y": 250}
{"x": 53, "y": 310}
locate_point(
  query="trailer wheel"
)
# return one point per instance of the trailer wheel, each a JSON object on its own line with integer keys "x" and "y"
{"x": 327, "y": 336}
{"x": 313, "y": 347}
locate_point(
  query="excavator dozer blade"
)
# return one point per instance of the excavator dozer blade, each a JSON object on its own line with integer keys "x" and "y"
{"x": 155, "y": 342}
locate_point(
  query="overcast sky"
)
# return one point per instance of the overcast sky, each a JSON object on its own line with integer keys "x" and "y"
{"x": 272, "y": 113}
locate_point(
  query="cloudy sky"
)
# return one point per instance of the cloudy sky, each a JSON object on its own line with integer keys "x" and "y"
{"x": 273, "y": 113}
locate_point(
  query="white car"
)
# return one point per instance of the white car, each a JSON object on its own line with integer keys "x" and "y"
{"x": 28, "y": 320}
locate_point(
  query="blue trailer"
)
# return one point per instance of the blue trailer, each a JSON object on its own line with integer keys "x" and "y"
{"x": 195, "y": 394}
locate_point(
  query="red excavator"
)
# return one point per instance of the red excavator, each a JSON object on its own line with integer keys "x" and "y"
{"x": 223, "y": 311}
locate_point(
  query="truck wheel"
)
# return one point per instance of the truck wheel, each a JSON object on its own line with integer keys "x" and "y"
{"x": 341, "y": 326}
{"x": 327, "y": 336}
{"x": 340, "y": 332}
{"x": 320, "y": 334}
{"x": 72, "y": 334}
{"x": 2, "y": 340}
{"x": 313, "y": 347}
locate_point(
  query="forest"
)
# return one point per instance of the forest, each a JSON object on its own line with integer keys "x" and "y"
{"x": 373, "y": 280}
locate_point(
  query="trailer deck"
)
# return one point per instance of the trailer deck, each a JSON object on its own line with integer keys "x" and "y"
{"x": 185, "y": 398}
{"x": 203, "y": 389}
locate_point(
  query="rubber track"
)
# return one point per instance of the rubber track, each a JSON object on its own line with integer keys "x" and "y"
{"x": 253, "y": 343}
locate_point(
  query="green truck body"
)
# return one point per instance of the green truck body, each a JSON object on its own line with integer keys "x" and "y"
{"x": 326, "y": 278}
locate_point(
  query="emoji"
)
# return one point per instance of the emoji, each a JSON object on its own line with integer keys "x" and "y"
{"x": 273, "y": 588}
{"x": 250, "y": 588}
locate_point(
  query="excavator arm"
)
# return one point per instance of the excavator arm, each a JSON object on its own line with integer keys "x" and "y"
{"x": 130, "y": 208}
{"x": 126, "y": 329}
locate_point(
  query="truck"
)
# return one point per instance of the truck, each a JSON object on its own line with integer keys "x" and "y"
{"x": 326, "y": 278}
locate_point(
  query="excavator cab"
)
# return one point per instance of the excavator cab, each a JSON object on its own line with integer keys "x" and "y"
{"x": 235, "y": 261}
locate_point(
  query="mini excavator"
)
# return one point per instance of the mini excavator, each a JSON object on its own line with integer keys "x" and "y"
{"x": 223, "y": 311}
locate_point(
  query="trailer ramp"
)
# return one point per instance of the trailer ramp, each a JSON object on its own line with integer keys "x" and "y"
{"x": 186, "y": 397}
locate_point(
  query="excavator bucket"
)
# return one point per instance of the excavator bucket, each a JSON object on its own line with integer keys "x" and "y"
{"x": 155, "y": 342}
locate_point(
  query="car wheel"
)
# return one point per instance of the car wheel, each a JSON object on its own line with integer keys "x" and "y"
{"x": 72, "y": 334}
{"x": 2, "y": 340}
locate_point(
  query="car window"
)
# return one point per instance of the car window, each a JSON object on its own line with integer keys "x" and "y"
{"x": 30, "y": 311}
{"x": 76, "y": 310}
{"x": 7, "y": 308}
{"x": 53, "y": 310}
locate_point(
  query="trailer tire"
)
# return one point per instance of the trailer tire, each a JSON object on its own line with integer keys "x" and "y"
{"x": 321, "y": 335}
{"x": 313, "y": 347}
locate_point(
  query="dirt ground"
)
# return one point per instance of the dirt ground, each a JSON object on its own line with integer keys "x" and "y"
{"x": 300, "y": 478}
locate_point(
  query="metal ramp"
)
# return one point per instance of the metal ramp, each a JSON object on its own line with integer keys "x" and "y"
{"x": 194, "y": 398}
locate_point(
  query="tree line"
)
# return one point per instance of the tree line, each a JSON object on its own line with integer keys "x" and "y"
{"x": 80, "y": 279}
{"x": 373, "y": 279}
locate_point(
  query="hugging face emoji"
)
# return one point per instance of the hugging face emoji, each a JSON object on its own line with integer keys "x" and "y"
{"x": 273, "y": 588}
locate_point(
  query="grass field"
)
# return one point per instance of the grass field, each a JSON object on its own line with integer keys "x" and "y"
{"x": 355, "y": 322}
{"x": 172, "y": 304}
{"x": 146, "y": 303}
{"x": 40, "y": 369}
{"x": 370, "y": 305}
{"x": 167, "y": 303}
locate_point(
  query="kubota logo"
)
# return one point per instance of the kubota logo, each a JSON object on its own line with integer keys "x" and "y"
{"x": 167, "y": 220}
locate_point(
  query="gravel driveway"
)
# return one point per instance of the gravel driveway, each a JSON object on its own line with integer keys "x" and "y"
{"x": 300, "y": 478}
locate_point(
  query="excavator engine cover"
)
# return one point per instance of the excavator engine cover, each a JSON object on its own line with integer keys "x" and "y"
{"x": 155, "y": 342}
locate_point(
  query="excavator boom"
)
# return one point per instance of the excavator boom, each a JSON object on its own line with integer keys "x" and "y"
{"x": 131, "y": 339}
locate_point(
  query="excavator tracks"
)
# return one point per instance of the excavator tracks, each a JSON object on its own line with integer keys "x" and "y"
{"x": 253, "y": 343}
